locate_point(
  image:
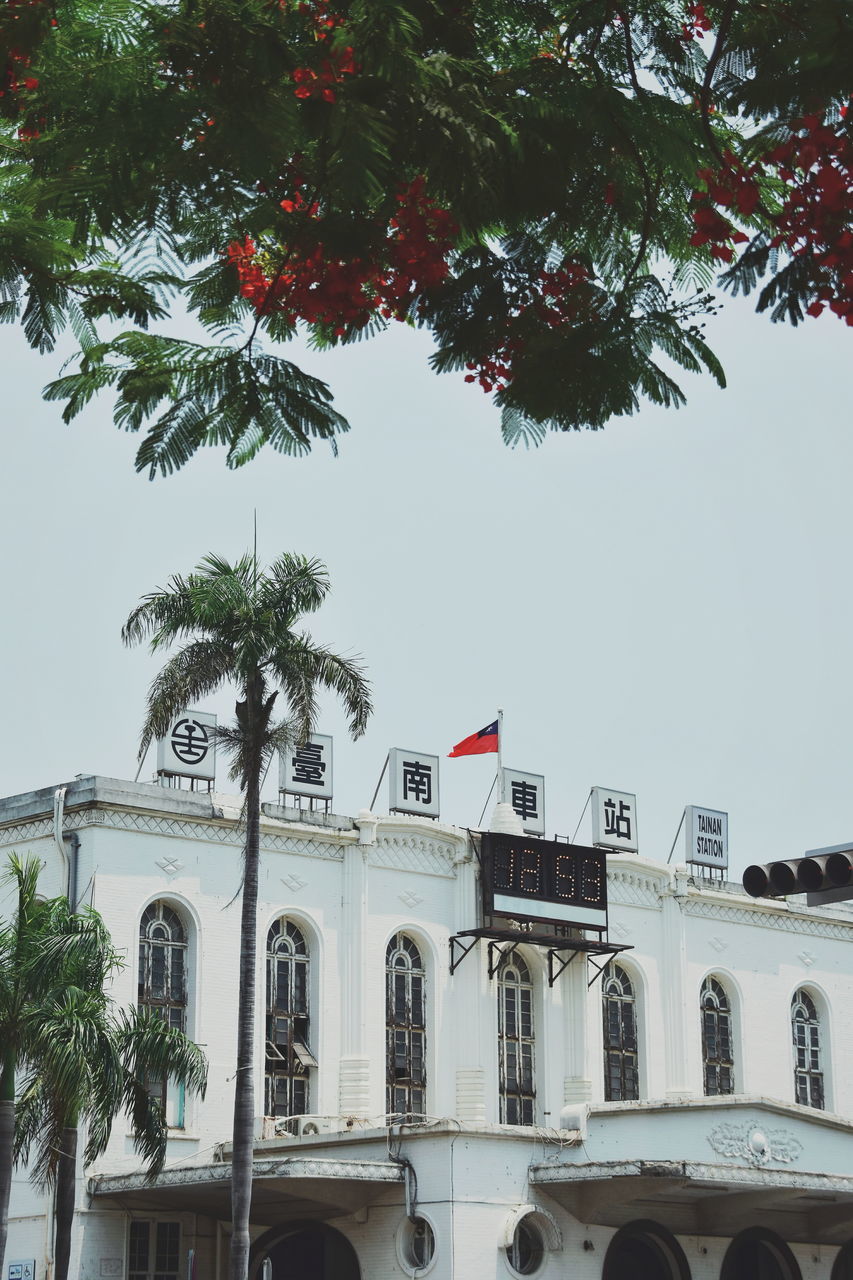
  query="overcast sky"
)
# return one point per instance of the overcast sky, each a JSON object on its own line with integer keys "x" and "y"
{"x": 663, "y": 607}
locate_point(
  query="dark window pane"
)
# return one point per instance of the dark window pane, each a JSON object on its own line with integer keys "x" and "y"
{"x": 405, "y": 1019}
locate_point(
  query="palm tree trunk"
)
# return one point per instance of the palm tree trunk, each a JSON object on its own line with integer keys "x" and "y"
{"x": 244, "y": 1093}
{"x": 7, "y": 1134}
{"x": 66, "y": 1186}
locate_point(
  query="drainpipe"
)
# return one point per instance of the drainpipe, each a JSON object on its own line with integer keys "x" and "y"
{"x": 58, "y": 811}
{"x": 69, "y": 865}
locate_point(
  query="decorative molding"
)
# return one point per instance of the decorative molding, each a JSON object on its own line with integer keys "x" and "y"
{"x": 410, "y": 899}
{"x": 414, "y": 853}
{"x": 756, "y": 1146}
{"x": 182, "y": 828}
{"x": 23, "y": 832}
{"x": 290, "y": 1167}
{"x": 807, "y": 957}
{"x": 294, "y": 883}
{"x": 719, "y": 945}
{"x": 621, "y": 929}
{"x": 170, "y": 865}
{"x": 633, "y": 888}
{"x": 786, "y": 922}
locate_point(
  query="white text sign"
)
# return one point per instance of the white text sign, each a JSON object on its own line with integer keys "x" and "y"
{"x": 526, "y": 793}
{"x": 706, "y": 832}
{"x": 189, "y": 748}
{"x": 307, "y": 770}
{"x": 614, "y": 820}
{"x": 413, "y": 782}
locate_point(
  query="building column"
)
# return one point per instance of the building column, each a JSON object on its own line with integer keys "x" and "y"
{"x": 354, "y": 1077}
{"x": 577, "y": 1085}
{"x": 465, "y": 994}
{"x": 674, "y": 993}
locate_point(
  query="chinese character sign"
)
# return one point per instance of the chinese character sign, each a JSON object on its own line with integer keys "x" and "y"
{"x": 614, "y": 820}
{"x": 526, "y": 793}
{"x": 306, "y": 770}
{"x": 706, "y": 832}
{"x": 189, "y": 747}
{"x": 414, "y": 782}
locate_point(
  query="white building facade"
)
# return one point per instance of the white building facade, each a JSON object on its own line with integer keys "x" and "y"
{"x": 679, "y": 1109}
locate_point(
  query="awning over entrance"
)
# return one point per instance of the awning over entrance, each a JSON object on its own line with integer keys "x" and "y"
{"x": 291, "y": 1187}
{"x": 704, "y": 1199}
{"x": 710, "y": 1166}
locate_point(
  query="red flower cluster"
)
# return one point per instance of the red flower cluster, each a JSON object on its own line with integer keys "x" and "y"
{"x": 320, "y": 288}
{"x": 558, "y": 298}
{"x": 816, "y": 219}
{"x": 319, "y": 82}
{"x": 695, "y": 23}
{"x": 734, "y": 187}
{"x": 421, "y": 237}
{"x": 15, "y": 68}
{"x": 815, "y": 166}
{"x": 14, "y": 74}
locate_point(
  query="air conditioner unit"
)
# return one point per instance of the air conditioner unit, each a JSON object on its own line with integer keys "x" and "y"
{"x": 265, "y": 1127}
{"x": 307, "y": 1126}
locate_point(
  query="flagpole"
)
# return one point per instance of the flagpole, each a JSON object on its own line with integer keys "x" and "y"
{"x": 501, "y": 788}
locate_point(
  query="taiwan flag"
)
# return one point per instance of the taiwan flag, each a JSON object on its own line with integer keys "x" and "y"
{"x": 478, "y": 743}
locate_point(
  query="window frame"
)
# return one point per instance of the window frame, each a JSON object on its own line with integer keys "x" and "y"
{"x": 626, "y": 1060}
{"x": 287, "y": 1026}
{"x": 511, "y": 1080}
{"x": 153, "y": 1271}
{"x": 405, "y": 1027}
{"x": 716, "y": 1011}
{"x": 162, "y": 916}
{"x": 812, "y": 1078}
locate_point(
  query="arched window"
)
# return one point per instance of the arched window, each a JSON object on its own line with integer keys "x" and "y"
{"x": 288, "y": 1056}
{"x": 758, "y": 1254}
{"x": 405, "y": 1028}
{"x": 645, "y": 1250}
{"x": 808, "y": 1072}
{"x": 717, "y": 1048}
{"x": 842, "y": 1267}
{"x": 621, "y": 1077}
{"x": 515, "y": 1042}
{"x": 163, "y": 988}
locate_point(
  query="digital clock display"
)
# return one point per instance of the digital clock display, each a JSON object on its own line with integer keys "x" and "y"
{"x": 544, "y": 880}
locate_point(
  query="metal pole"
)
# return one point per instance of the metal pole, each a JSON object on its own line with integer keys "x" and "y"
{"x": 501, "y": 783}
{"x": 379, "y": 783}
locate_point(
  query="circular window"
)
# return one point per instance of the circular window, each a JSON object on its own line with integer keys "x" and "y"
{"x": 417, "y": 1243}
{"x": 526, "y": 1249}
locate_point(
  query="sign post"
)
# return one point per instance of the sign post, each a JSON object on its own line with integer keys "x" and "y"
{"x": 188, "y": 749}
{"x": 306, "y": 770}
{"x": 614, "y": 820}
{"x": 525, "y": 792}
{"x": 413, "y": 782}
{"x": 706, "y": 833}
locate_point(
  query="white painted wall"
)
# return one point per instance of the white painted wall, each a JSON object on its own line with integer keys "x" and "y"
{"x": 140, "y": 843}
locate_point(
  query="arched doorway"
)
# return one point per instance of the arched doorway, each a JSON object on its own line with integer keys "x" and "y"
{"x": 307, "y": 1252}
{"x": 645, "y": 1251}
{"x": 757, "y": 1254}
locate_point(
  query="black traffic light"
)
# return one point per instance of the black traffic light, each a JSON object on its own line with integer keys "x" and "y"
{"x": 826, "y": 875}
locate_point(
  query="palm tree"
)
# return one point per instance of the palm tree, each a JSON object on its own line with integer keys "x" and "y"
{"x": 239, "y": 627}
{"x": 30, "y": 985}
{"x": 96, "y": 1067}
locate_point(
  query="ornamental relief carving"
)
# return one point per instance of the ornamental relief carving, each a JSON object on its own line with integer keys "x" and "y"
{"x": 787, "y": 923}
{"x": 755, "y": 1146}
